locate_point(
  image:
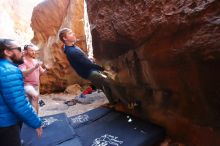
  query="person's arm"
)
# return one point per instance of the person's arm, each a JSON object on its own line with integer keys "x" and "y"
{"x": 42, "y": 70}
{"x": 81, "y": 58}
{"x": 12, "y": 91}
{"x": 26, "y": 71}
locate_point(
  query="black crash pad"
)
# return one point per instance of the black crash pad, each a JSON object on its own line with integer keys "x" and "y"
{"x": 104, "y": 127}
{"x": 98, "y": 127}
{"x": 88, "y": 117}
{"x": 56, "y": 131}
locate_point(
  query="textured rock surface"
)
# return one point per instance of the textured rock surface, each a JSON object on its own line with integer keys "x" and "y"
{"x": 15, "y": 18}
{"x": 73, "y": 89}
{"x": 166, "y": 54}
{"x": 48, "y": 17}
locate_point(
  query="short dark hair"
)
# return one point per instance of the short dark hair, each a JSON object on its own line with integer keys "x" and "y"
{"x": 27, "y": 46}
{"x": 62, "y": 33}
{"x": 4, "y": 44}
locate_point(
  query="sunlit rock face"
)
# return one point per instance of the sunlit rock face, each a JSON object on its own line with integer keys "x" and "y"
{"x": 48, "y": 17}
{"x": 165, "y": 54}
{"x": 15, "y": 18}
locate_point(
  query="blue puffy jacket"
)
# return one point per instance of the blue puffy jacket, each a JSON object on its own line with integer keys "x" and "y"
{"x": 14, "y": 106}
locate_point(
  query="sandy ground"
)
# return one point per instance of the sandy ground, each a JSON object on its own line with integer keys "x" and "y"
{"x": 54, "y": 104}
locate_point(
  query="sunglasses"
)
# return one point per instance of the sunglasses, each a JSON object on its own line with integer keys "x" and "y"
{"x": 17, "y": 48}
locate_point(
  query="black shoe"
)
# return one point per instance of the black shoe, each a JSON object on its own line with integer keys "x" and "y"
{"x": 71, "y": 102}
{"x": 41, "y": 103}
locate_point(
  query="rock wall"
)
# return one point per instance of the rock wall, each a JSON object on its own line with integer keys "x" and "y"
{"x": 166, "y": 56}
{"x": 48, "y": 17}
{"x": 15, "y": 19}
{"x": 163, "y": 54}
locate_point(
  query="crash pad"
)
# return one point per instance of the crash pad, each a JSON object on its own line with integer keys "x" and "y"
{"x": 102, "y": 126}
{"x": 56, "y": 130}
{"x": 98, "y": 127}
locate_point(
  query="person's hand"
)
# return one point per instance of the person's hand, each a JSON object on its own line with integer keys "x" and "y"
{"x": 36, "y": 65}
{"x": 46, "y": 66}
{"x": 101, "y": 68}
{"x": 92, "y": 59}
{"x": 39, "y": 131}
{"x": 35, "y": 98}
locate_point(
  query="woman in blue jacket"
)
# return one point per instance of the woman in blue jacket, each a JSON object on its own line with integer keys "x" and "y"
{"x": 14, "y": 107}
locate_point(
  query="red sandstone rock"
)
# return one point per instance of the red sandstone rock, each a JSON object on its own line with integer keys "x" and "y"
{"x": 162, "y": 53}
{"x": 171, "y": 47}
{"x": 48, "y": 17}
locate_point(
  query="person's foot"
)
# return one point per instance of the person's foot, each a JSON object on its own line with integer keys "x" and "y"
{"x": 134, "y": 105}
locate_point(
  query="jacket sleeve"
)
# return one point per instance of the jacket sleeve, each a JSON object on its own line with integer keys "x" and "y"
{"x": 12, "y": 90}
{"x": 81, "y": 58}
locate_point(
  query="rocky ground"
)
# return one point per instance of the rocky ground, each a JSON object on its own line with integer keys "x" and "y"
{"x": 54, "y": 103}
